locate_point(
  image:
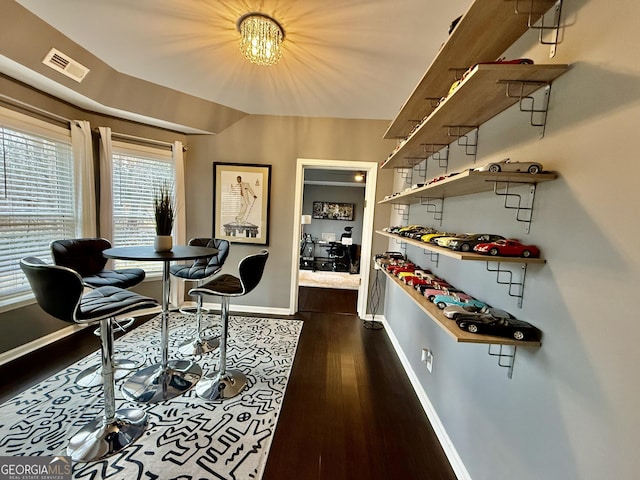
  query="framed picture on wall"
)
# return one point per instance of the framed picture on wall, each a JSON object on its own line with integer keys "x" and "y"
{"x": 333, "y": 211}
{"x": 241, "y": 195}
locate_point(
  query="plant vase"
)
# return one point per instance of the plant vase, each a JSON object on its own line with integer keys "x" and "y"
{"x": 164, "y": 211}
{"x": 163, "y": 243}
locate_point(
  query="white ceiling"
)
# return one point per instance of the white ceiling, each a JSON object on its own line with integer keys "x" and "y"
{"x": 343, "y": 59}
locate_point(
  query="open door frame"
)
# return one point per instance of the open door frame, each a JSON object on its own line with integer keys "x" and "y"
{"x": 371, "y": 169}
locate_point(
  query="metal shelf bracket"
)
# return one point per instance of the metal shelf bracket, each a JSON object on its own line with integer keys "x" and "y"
{"x": 421, "y": 169}
{"x": 434, "y": 151}
{"x": 516, "y": 289}
{"x": 403, "y": 246}
{"x": 434, "y": 206}
{"x": 505, "y": 359}
{"x": 470, "y": 144}
{"x": 434, "y": 257}
{"x": 403, "y": 211}
{"x": 553, "y": 29}
{"x": 523, "y": 214}
{"x": 527, "y": 103}
{"x": 442, "y": 156}
{"x": 406, "y": 173}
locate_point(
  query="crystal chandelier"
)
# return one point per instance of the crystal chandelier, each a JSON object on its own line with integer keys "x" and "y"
{"x": 260, "y": 38}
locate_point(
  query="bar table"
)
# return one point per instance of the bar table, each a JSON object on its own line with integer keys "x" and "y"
{"x": 169, "y": 378}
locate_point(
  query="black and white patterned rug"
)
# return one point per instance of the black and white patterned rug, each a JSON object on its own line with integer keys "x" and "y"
{"x": 187, "y": 438}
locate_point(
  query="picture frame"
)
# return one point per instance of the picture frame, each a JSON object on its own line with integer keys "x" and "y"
{"x": 333, "y": 211}
{"x": 241, "y": 195}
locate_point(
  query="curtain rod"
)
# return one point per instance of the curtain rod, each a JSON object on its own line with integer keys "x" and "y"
{"x": 142, "y": 140}
{"x": 148, "y": 141}
{"x": 31, "y": 110}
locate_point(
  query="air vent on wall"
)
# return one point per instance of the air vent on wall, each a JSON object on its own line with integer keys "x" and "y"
{"x": 65, "y": 65}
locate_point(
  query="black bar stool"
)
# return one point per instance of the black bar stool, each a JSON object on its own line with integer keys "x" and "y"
{"x": 84, "y": 256}
{"x": 227, "y": 383}
{"x": 59, "y": 292}
{"x": 199, "y": 271}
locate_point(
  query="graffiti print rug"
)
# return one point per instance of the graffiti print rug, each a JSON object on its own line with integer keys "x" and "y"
{"x": 187, "y": 438}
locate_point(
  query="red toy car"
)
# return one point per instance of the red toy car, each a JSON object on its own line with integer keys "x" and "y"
{"x": 507, "y": 248}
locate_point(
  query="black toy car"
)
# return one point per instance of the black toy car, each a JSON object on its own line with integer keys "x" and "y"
{"x": 467, "y": 242}
{"x": 500, "y": 327}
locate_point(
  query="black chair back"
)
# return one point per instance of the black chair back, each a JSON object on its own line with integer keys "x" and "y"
{"x": 84, "y": 255}
{"x": 57, "y": 289}
{"x": 213, "y": 264}
{"x": 251, "y": 269}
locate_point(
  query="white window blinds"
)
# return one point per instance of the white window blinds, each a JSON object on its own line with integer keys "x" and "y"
{"x": 137, "y": 173}
{"x": 37, "y": 200}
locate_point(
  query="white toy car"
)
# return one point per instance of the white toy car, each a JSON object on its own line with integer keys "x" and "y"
{"x": 507, "y": 165}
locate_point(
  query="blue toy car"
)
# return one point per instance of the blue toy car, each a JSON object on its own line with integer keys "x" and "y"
{"x": 445, "y": 300}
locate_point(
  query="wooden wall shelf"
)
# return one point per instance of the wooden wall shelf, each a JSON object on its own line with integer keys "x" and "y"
{"x": 467, "y": 45}
{"x": 467, "y": 183}
{"x": 468, "y": 256}
{"x": 449, "y": 325}
{"x": 481, "y": 96}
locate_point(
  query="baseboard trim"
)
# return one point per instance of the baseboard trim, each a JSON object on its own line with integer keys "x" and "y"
{"x": 249, "y": 309}
{"x": 18, "y": 352}
{"x": 447, "y": 445}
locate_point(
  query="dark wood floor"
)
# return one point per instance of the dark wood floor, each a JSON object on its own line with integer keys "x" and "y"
{"x": 349, "y": 411}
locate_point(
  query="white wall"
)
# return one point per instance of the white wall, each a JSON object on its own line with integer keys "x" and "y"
{"x": 571, "y": 409}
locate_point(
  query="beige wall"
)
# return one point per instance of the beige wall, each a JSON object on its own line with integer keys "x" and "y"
{"x": 279, "y": 141}
{"x": 30, "y": 323}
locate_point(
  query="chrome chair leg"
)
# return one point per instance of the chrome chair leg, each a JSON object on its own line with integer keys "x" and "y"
{"x": 222, "y": 383}
{"x": 199, "y": 345}
{"x": 115, "y": 429}
{"x": 126, "y": 359}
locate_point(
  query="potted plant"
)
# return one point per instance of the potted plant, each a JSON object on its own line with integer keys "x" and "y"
{"x": 164, "y": 210}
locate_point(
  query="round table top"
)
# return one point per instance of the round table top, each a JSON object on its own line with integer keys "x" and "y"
{"x": 148, "y": 253}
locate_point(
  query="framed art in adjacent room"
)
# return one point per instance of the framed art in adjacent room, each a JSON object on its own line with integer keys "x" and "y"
{"x": 333, "y": 211}
{"x": 241, "y": 202}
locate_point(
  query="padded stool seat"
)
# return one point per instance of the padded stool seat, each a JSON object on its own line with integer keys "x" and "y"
{"x": 59, "y": 292}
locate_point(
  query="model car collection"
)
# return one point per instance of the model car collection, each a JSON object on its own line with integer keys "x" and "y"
{"x": 483, "y": 243}
{"x": 470, "y": 314}
{"x": 467, "y": 242}
{"x": 506, "y": 165}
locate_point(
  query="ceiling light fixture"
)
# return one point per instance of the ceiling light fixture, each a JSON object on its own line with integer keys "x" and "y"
{"x": 359, "y": 177}
{"x": 260, "y": 38}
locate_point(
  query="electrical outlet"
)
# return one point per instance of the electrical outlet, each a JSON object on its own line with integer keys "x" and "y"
{"x": 427, "y": 358}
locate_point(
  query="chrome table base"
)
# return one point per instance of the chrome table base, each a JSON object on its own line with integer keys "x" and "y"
{"x": 156, "y": 384}
{"x": 92, "y": 376}
{"x": 98, "y": 439}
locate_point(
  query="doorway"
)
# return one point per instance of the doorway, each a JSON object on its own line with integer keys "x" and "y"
{"x": 369, "y": 169}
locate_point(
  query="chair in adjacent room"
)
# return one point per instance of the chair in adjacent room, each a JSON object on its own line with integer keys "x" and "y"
{"x": 200, "y": 271}
{"x": 226, "y": 383}
{"x": 59, "y": 292}
{"x": 84, "y": 256}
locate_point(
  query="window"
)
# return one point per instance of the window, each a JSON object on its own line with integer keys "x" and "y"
{"x": 37, "y": 197}
{"x": 137, "y": 172}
